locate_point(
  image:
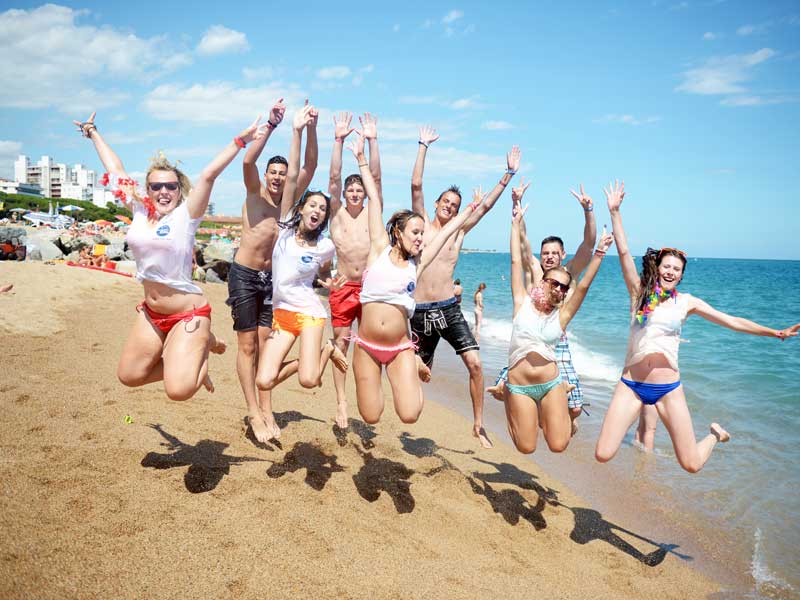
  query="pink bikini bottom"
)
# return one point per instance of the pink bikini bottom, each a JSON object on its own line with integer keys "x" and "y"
{"x": 383, "y": 354}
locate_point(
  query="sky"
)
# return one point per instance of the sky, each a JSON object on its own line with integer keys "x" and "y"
{"x": 695, "y": 104}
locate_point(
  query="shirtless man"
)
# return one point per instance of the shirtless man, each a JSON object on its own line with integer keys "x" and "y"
{"x": 552, "y": 256}
{"x": 250, "y": 277}
{"x": 437, "y": 313}
{"x": 350, "y": 234}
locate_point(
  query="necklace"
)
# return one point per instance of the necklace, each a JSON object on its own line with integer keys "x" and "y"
{"x": 539, "y": 300}
{"x": 653, "y": 300}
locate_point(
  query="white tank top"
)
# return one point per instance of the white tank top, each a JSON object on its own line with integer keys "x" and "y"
{"x": 534, "y": 332}
{"x": 385, "y": 282}
{"x": 661, "y": 333}
{"x": 294, "y": 269}
{"x": 163, "y": 250}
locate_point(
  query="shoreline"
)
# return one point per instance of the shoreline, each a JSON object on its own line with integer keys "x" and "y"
{"x": 179, "y": 499}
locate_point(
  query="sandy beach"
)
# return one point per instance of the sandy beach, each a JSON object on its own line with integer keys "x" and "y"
{"x": 179, "y": 503}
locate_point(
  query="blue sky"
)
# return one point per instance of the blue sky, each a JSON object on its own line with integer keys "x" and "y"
{"x": 696, "y": 104}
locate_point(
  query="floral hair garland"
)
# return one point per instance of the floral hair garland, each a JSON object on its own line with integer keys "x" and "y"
{"x": 656, "y": 296}
{"x": 540, "y": 300}
{"x": 119, "y": 193}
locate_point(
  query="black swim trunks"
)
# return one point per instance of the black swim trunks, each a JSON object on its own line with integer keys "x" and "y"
{"x": 250, "y": 297}
{"x": 434, "y": 320}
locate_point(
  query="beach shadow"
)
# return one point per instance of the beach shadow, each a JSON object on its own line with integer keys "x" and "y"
{"x": 319, "y": 466}
{"x": 384, "y": 475}
{"x": 426, "y": 447}
{"x": 590, "y": 525}
{"x": 365, "y": 432}
{"x": 251, "y": 437}
{"x": 206, "y": 460}
{"x": 293, "y": 416}
{"x": 512, "y": 505}
{"x": 508, "y": 473}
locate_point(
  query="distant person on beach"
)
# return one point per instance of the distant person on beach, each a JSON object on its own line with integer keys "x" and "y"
{"x": 536, "y": 395}
{"x": 438, "y": 314}
{"x": 301, "y": 257}
{"x": 458, "y": 291}
{"x": 84, "y": 257}
{"x": 6, "y": 287}
{"x": 250, "y": 276}
{"x": 396, "y": 260}
{"x": 552, "y": 255}
{"x": 477, "y": 298}
{"x": 350, "y": 235}
{"x": 171, "y": 336}
{"x": 651, "y": 375}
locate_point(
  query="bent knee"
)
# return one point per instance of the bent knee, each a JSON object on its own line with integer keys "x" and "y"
{"x": 691, "y": 466}
{"x": 179, "y": 392}
{"x": 370, "y": 417}
{"x": 409, "y": 417}
{"x": 525, "y": 446}
{"x": 265, "y": 382}
{"x": 603, "y": 455}
{"x": 557, "y": 445}
{"x": 308, "y": 380}
{"x": 130, "y": 378}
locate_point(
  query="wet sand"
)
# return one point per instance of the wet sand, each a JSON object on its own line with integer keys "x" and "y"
{"x": 180, "y": 503}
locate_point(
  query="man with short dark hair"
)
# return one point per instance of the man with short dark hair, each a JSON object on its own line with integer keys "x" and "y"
{"x": 437, "y": 312}
{"x": 250, "y": 276}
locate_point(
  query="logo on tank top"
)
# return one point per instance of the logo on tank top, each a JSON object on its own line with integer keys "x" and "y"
{"x": 307, "y": 258}
{"x": 162, "y": 231}
{"x": 410, "y": 287}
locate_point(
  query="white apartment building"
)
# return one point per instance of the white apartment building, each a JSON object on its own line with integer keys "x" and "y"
{"x": 57, "y": 180}
{"x": 14, "y": 187}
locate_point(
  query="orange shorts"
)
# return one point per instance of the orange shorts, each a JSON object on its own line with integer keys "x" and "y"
{"x": 294, "y": 322}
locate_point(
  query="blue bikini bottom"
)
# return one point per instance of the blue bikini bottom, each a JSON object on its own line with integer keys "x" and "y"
{"x": 650, "y": 393}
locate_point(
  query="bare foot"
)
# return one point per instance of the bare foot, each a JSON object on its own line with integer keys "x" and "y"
{"x": 496, "y": 391}
{"x": 272, "y": 425}
{"x": 721, "y": 435}
{"x": 260, "y": 429}
{"x": 480, "y": 433}
{"x": 423, "y": 371}
{"x": 6, "y": 288}
{"x": 208, "y": 384}
{"x": 568, "y": 387}
{"x": 338, "y": 358}
{"x": 341, "y": 414}
{"x": 574, "y": 429}
{"x": 218, "y": 347}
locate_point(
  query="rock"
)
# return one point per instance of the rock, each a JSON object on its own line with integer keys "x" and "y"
{"x": 218, "y": 251}
{"x": 100, "y": 239}
{"x": 33, "y": 253}
{"x": 212, "y": 277}
{"x": 115, "y": 251}
{"x": 12, "y": 235}
{"x": 68, "y": 243}
{"x": 45, "y": 249}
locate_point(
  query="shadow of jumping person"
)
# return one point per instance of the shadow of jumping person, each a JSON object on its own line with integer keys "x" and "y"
{"x": 384, "y": 475}
{"x": 365, "y": 432}
{"x": 512, "y": 505}
{"x": 206, "y": 460}
{"x": 319, "y": 466}
{"x": 590, "y": 525}
{"x": 293, "y": 416}
{"x": 508, "y": 473}
{"x": 426, "y": 447}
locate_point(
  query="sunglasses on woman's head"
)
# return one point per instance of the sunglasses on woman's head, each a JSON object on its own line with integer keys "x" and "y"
{"x": 564, "y": 287}
{"x": 170, "y": 185}
{"x": 666, "y": 250}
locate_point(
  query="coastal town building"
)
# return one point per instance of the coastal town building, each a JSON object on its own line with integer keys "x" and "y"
{"x": 58, "y": 180}
{"x": 15, "y": 187}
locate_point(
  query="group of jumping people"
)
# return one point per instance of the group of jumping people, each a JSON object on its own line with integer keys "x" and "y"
{"x": 396, "y": 280}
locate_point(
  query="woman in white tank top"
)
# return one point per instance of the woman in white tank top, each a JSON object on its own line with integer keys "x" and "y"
{"x": 396, "y": 258}
{"x": 171, "y": 336}
{"x": 535, "y": 396}
{"x": 651, "y": 377}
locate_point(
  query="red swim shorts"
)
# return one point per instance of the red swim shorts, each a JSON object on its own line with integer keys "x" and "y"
{"x": 166, "y": 322}
{"x": 345, "y": 304}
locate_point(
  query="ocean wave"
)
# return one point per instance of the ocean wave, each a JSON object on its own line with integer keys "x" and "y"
{"x": 767, "y": 583}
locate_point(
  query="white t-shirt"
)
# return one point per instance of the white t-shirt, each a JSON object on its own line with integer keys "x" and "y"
{"x": 294, "y": 269}
{"x": 163, "y": 250}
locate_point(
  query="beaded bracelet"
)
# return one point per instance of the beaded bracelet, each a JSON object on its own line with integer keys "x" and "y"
{"x": 239, "y": 142}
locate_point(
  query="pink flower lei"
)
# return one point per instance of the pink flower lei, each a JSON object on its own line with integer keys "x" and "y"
{"x": 540, "y": 301}
{"x": 119, "y": 193}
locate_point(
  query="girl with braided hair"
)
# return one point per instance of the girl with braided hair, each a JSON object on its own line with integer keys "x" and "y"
{"x": 651, "y": 376}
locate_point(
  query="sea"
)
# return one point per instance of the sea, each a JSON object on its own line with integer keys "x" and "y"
{"x": 737, "y": 520}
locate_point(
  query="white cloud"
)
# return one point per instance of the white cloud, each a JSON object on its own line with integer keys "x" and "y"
{"x": 723, "y": 75}
{"x": 679, "y": 6}
{"x": 627, "y": 119}
{"x": 756, "y": 100}
{"x": 465, "y": 103}
{"x": 453, "y": 15}
{"x": 218, "y": 102}
{"x": 48, "y": 59}
{"x": 9, "y": 151}
{"x": 496, "y": 125}
{"x": 709, "y": 35}
{"x": 252, "y": 73}
{"x": 220, "y": 40}
{"x": 751, "y": 29}
{"x": 337, "y": 72}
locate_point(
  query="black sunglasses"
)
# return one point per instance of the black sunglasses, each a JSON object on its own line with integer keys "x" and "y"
{"x": 170, "y": 185}
{"x": 564, "y": 287}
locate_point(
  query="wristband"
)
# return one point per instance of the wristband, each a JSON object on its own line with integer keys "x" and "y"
{"x": 590, "y": 209}
{"x": 363, "y": 164}
{"x": 600, "y": 253}
{"x": 339, "y": 139}
{"x": 239, "y": 142}
{"x": 511, "y": 172}
{"x": 423, "y": 143}
{"x": 87, "y": 129}
{"x": 271, "y": 124}
{"x": 503, "y": 183}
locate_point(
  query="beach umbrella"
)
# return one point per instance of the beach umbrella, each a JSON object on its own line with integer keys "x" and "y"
{"x": 124, "y": 219}
{"x": 71, "y": 207}
{"x": 19, "y": 210}
{"x": 103, "y": 222}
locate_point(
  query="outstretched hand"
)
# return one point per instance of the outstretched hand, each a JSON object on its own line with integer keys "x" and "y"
{"x": 357, "y": 147}
{"x": 254, "y": 132}
{"x": 303, "y": 116}
{"x": 614, "y": 195}
{"x": 788, "y": 332}
{"x": 276, "y": 112}
{"x": 369, "y": 126}
{"x": 518, "y": 192}
{"x": 586, "y": 201}
{"x": 84, "y": 126}
{"x": 341, "y": 125}
{"x": 427, "y": 135}
{"x": 513, "y": 158}
{"x": 333, "y": 284}
{"x": 477, "y": 197}
{"x": 517, "y": 213}
{"x": 605, "y": 241}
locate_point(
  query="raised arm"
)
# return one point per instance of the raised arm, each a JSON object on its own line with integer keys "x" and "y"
{"x": 518, "y": 288}
{"x": 108, "y": 157}
{"x": 584, "y": 252}
{"x": 614, "y": 195}
{"x": 252, "y": 179}
{"x": 455, "y": 224}
{"x": 301, "y": 118}
{"x": 369, "y": 129}
{"x": 530, "y": 264}
{"x": 197, "y": 202}
{"x": 341, "y": 129}
{"x": 427, "y": 135}
{"x": 575, "y": 300}
{"x": 703, "y": 309}
{"x": 378, "y": 237}
{"x": 512, "y": 160}
{"x": 311, "y": 156}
